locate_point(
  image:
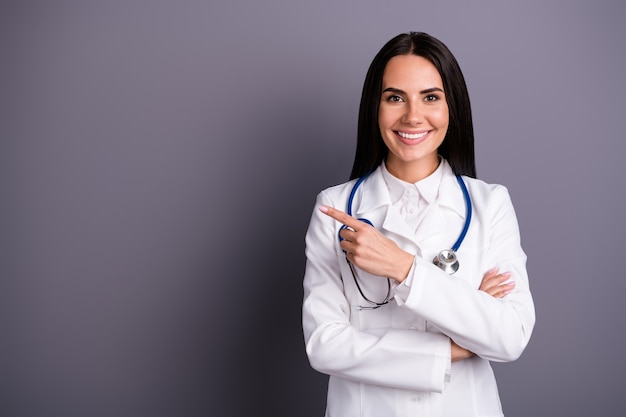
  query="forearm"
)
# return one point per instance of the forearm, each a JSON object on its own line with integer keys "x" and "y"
{"x": 496, "y": 329}
{"x": 405, "y": 359}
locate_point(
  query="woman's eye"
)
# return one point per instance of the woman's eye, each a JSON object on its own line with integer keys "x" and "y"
{"x": 431, "y": 97}
{"x": 394, "y": 98}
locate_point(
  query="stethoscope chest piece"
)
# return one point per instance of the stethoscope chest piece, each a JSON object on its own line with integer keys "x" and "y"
{"x": 447, "y": 261}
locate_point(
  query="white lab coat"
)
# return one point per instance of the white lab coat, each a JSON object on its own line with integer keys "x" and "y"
{"x": 395, "y": 360}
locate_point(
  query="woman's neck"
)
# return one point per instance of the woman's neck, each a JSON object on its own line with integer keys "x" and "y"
{"x": 412, "y": 172}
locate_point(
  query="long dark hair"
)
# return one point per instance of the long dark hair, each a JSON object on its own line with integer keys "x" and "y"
{"x": 458, "y": 145}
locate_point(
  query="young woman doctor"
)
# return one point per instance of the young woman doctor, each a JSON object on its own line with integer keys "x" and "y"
{"x": 397, "y": 334}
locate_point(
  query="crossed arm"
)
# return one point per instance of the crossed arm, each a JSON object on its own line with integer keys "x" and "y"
{"x": 371, "y": 251}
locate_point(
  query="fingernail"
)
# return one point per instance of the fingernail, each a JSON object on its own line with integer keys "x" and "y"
{"x": 324, "y": 209}
{"x": 506, "y": 274}
{"x": 492, "y": 270}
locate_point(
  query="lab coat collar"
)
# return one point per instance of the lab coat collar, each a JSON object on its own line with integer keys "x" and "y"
{"x": 427, "y": 188}
{"x": 374, "y": 203}
{"x": 450, "y": 192}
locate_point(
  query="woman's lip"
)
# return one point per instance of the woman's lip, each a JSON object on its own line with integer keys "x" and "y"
{"x": 412, "y": 138}
{"x": 412, "y": 135}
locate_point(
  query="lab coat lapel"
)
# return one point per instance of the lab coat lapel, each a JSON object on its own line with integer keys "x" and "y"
{"x": 431, "y": 226}
{"x": 450, "y": 197}
{"x": 438, "y": 227}
{"x": 395, "y": 224}
{"x": 375, "y": 204}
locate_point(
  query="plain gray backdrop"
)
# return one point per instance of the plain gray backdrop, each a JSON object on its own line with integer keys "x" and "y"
{"x": 159, "y": 165}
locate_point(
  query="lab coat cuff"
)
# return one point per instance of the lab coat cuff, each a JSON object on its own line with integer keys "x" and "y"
{"x": 442, "y": 366}
{"x": 402, "y": 289}
{"x": 446, "y": 377}
{"x": 411, "y": 285}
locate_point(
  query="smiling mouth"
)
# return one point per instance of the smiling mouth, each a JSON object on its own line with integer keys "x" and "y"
{"x": 412, "y": 135}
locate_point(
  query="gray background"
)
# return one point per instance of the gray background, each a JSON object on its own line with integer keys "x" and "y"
{"x": 160, "y": 161}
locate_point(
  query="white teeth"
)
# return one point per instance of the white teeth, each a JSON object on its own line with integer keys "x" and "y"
{"x": 412, "y": 136}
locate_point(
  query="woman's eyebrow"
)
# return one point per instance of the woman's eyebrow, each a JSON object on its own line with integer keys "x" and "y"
{"x": 431, "y": 90}
{"x": 393, "y": 90}
{"x": 398, "y": 91}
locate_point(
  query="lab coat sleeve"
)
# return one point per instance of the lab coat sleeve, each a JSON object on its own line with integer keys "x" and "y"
{"x": 400, "y": 358}
{"x": 496, "y": 329}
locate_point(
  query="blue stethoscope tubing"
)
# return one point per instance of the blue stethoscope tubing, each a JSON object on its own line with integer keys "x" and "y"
{"x": 445, "y": 255}
{"x": 351, "y": 198}
{"x": 468, "y": 213}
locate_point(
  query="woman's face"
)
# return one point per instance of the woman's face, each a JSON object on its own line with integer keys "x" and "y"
{"x": 413, "y": 116}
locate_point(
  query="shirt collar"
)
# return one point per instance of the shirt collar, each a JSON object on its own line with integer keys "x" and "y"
{"x": 428, "y": 187}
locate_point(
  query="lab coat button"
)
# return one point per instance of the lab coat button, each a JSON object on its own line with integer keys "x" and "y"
{"x": 416, "y": 398}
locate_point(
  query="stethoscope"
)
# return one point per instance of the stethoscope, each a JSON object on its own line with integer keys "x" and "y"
{"x": 446, "y": 259}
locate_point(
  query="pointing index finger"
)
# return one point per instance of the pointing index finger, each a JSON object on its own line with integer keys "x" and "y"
{"x": 341, "y": 217}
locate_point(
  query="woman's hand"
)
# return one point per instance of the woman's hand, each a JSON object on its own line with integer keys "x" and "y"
{"x": 369, "y": 249}
{"x": 458, "y": 353}
{"x": 495, "y": 284}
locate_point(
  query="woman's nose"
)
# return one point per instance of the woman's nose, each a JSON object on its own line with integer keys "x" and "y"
{"x": 412, "y": 115}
